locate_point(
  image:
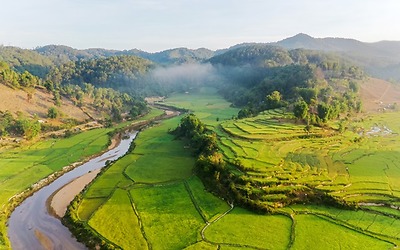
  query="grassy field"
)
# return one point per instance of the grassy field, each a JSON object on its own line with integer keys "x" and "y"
{"x": 169, "y": 217}
{"x": 333, "y": 236}
{"x": 158, "y": 157}
{"x": 25, "y": 165}
{"x": 207, "y": 104}
{"x": 22, "y": 167}
{"x": 127, "y": 230}
{"x": 360, "y": 165}
{"x": 241, "y": 228}
{"x": 170, "y": 203}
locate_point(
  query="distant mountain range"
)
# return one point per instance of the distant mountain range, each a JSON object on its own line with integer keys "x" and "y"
{"x": 59, "y": 53}
{"x": 380, "y": 59}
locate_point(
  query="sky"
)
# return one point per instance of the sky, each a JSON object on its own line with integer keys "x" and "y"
{"x": 155, "y": 25}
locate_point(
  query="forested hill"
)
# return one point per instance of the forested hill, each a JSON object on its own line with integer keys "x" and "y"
{"x": 261, "y": 76}
{"x": 60, "y": 54}
{"x": 269, "y": 56}
{"x": 31, "y": 105}
{"x": 25, "y": 59}
{"x": 40, "y": 60}
{"x": 114, "y": 71}
{"x": 260, "y": 55}
{"x": 380, "y": 59}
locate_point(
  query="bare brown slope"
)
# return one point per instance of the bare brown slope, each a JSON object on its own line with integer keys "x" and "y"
{"x": 378, "y": 94}
{"x": 16, "y": 100}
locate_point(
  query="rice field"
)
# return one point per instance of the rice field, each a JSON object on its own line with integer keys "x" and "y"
{"x": 241, "y": 228}
{"x": 333, "y": 236}
{"x": 126, "y": 232}
{"x": 360, "y": 166}
{"x": 22, "y": 167}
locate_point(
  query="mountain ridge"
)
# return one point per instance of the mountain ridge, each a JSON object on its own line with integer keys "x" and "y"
{"x": 379, "y": 59}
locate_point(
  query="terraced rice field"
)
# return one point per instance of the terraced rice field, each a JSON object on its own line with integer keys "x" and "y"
{"x": 362, "y": 171}
{"x": 174, "y": 211}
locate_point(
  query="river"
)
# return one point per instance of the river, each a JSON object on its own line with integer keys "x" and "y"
{"x": 31, "y": 226}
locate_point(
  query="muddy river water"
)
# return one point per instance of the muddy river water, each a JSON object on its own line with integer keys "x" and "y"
{"x": 31, "y": 226}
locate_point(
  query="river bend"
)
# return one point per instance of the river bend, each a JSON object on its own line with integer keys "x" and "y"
{"x": 31, "y": 226}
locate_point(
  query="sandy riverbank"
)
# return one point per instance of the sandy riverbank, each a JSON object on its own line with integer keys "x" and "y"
{"x": 60, "y": 200}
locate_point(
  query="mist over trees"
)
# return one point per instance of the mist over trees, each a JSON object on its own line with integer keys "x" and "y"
{"x": 260, "y": 77}
{"x": 317, "y": 86}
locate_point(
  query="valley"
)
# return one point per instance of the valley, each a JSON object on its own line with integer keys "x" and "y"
{"x": 163, "y": 207}
{"x": 259, "y": 146}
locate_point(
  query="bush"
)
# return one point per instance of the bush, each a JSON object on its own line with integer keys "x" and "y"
{"x": 52, "y": 113}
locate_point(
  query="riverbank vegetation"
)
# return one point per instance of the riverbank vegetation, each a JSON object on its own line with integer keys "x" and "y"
{"x": 30, "y": 166}
{"x": 22, "y": 167}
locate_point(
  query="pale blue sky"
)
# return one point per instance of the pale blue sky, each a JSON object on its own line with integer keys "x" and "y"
{"x": 155, "y": 25}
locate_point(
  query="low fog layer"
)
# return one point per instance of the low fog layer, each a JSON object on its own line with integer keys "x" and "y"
{"x": 184, "y": 77}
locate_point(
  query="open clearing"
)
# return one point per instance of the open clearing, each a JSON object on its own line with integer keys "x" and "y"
{"x": 17, "y": 101}
{"x": 378, "y": 94}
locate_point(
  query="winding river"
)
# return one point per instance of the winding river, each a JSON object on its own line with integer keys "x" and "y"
{"x": 31, "y": 226}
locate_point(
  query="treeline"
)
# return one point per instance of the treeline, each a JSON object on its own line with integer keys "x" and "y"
{"x": 22, "y": 60}
{"x": 261, "y": 77}
{"x": 210, "y": 165}
{"x": 20, "y": 126}
{"x": 115, "y": 105}
{"x": 216, "y": 173}
{"x": 16, "y": 80}
{"x": 118, "y": 72}
{"x": 200, "y": 139}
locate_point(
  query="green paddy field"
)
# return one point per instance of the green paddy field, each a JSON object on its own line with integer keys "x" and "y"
{"x": 150, "y": 199}
{"x": 167, "y": 207}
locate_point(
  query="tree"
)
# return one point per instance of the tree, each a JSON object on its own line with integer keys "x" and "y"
{"x": 30, "y": 91}
{"x": 52, "y": 113}
{"x": 134, "y": 111}
{"x": 116, "y": 114}
{"x": 300, "y": 110}
{"x": 189, "y": 127}
{"x": 308, "y": 128}
{"x": 89, "y": 89}
{"x": 49, "y": 85}
{"x": 354, "y": 86}
{"x": 6, "y": 119}
{"x": 244, "y": 113}
{"x": 323, "y": 111}
{"x": 274, "y": 100}
{"x": 308, "y": 94}
{"x": 28, "y": 128}
{"x": 57, "y": 98}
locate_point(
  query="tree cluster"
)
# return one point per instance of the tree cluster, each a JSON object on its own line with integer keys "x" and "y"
{"x": 13, "y": 79}
{"x": 21, "y": 126}
{"x": 201, "y": 140}
{"x": 111, "y": 72}
{"x": 261, "y": 77}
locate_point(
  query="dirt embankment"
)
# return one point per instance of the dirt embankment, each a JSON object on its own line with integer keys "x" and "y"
{"x": 60, "y": 200}
{"x": 378, "y": 95}
{"x": 16, "y": 100}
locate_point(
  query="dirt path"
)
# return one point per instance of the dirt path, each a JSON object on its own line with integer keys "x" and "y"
{"x": 384, "y": 93}
{"x": 212, "y": 222}
{"x": 377, "y": 94}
